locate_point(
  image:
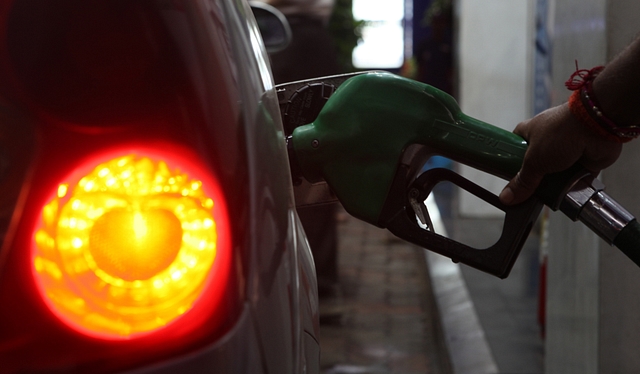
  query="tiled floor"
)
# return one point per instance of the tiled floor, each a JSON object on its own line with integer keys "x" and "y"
{"x": 507, "y": 309}
{"x": 386, "y": 319}
{"x": 382, "y": 323}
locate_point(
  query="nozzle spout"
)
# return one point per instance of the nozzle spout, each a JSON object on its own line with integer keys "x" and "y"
{"x": 586, "y": 201}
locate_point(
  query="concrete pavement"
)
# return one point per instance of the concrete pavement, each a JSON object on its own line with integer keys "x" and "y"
{"x": 382, "y": 320}
{"x": 401, "y": 309}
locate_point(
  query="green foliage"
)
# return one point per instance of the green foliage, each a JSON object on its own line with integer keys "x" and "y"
{"x": 346, "y": 33}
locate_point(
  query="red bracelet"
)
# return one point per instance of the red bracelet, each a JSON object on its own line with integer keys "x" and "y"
{"x": 579, "y": 111}
{"x": 584, "y": 106}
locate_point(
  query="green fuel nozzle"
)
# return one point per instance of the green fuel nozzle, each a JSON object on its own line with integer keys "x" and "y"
{"x": 359, "y": 137}
{"x": 369, "y": 136}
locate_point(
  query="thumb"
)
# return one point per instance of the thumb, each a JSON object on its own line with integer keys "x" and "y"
{"x": 520, "y": 188}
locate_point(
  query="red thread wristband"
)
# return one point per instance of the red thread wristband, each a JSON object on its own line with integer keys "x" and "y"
{"x": 580, "y": 112}
{"x": 584, "y": 106}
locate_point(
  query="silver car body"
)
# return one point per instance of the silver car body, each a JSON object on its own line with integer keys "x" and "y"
{"x": 275, "y": 329}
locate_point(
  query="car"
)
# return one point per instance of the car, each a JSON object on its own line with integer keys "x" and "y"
{"x": 148, "y": 218}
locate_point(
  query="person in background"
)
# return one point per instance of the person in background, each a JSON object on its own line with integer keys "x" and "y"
{"x": 602, "y": 113}
{"x": 311, "y": 54}
{"x": 435, "y": 55}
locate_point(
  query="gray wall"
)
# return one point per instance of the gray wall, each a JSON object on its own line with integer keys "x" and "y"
{"x": 619, "y": 325}
{"x": 593, "y": 312}
{"x": 495, "y": 63}
{"x": 573, "y": 255}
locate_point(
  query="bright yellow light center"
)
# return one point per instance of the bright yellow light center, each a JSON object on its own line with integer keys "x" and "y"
{"x": 126, "y": 248}
{"x": 140, "y": 228}
{"x": 134, "y": 245}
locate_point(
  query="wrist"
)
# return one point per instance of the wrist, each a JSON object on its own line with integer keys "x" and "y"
{"x": 619, "y": 105}
{"x": 618, "y": 86}
{"x": 585, "y": 106}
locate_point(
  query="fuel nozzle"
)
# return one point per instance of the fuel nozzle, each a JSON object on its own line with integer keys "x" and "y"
{"x": 362, "y": 139}
{"x": 587, "y": 202}
{"x": 581, "y": 197}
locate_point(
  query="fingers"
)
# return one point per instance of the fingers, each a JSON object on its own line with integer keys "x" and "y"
{"x": 520, "y": 188}
{"x": 545, "y": 153}
{"x": 557, "y": 140}
{"x": 523, "y": 185}
{"x": 522, "y": 129}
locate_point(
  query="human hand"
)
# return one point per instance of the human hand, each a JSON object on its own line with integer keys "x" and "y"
{"x": 557, "y": 140}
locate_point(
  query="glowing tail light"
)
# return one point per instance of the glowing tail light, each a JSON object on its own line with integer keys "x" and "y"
{"x": 126, "y": 245}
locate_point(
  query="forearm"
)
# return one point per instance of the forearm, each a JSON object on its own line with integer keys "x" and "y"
{"x": 618, "y": 86}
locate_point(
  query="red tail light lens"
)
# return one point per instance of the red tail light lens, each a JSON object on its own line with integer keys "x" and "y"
{"x": 126, "y": 246}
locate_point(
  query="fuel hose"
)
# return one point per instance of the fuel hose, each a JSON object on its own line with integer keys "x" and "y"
{"x": 628, "y": 241}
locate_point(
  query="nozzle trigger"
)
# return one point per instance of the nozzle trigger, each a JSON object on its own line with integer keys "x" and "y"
{"x": 420, "y": 209}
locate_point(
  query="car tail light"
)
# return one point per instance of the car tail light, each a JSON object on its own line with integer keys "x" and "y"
{"x": 126, "y": 245}
{"x": 126, "y": 257}
{"x": 123, "y": 245}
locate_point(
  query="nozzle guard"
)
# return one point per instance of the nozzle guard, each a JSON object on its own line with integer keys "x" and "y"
{"x": 498, "y": 259}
